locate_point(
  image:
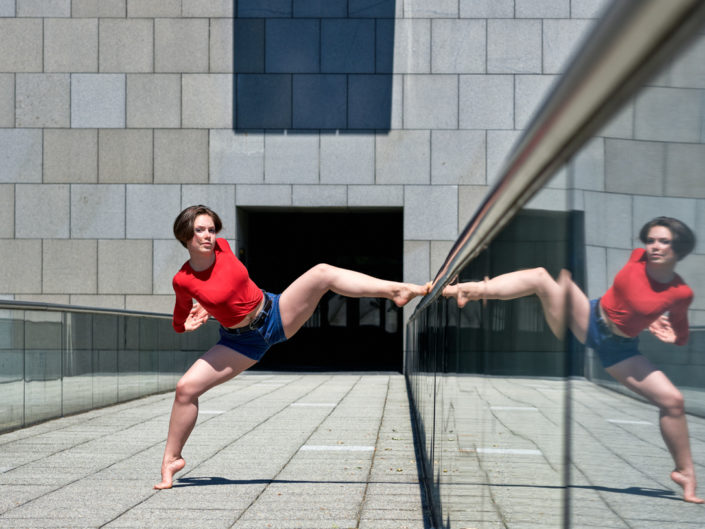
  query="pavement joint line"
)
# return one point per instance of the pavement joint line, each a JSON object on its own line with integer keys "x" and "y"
{"x": 625, "y": 421}
{"x": 509, "y": 451}
{"x": 211, "y": 412}
{"x": 315, "y": 404}
{"x": 336, "y": 448}
{"x": 514, "y": 408}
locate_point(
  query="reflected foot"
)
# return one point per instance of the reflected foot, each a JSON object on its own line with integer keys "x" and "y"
{"x": 168, "y": 471}
{"x": 408, "y": 291}
{"x": 688, "y": 484}
{"x": 464, "y": 292}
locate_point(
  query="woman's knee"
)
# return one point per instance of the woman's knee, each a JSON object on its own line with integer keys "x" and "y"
{"x": 187, "y": 390}
{"x": 671, "y": 402}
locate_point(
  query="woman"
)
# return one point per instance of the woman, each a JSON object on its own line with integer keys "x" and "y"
{"x": 644, "y": 290}
{"x": 251, "y": 320}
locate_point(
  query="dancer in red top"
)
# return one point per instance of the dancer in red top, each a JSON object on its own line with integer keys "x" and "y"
{"x": 251, "y": 320}
{"x": 646, "y": 294}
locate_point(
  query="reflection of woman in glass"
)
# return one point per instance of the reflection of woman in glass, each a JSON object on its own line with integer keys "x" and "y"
{"x": 251, "y": 319}
{"x": 646, "y": 293}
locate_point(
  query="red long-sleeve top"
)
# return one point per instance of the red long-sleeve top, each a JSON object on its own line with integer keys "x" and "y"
{"x": 224, "y": 289}
{"x": 635, "y": 300}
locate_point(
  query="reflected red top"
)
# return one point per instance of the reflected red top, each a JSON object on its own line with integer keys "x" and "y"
{"x": 224, "y": 289}
{"x": 635, "y": 300}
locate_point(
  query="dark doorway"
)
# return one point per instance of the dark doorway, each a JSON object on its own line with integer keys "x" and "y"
{"x": 344, "y": 334}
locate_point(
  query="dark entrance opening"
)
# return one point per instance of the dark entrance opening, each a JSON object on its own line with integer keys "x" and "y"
{"x": 278, "y": 246}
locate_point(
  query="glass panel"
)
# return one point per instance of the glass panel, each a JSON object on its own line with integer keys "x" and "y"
{"x": 11, "y": 369}
{"x": 105, "y": 351}
{"x": 78, "y": 363}
{"x": 43, "y": 345}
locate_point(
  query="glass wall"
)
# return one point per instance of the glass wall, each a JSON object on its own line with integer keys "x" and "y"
{"x": 56, "y": 362}
{"x": 521, "y": 424}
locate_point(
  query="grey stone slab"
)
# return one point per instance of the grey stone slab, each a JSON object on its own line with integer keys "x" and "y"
{"x": 220, "y": 198}
{"x": 20, "y": 155}
{"x": 412, "y": 46}
{"x": 42, "y": 211}
{"x": 126, "y": 45}
{"x": 588, "y": 8}
{"x": 207, "y": 8}
{"x": 181, "y": 45}
{"x": 43, "y": 8}
{"x": 319, "y": 195}
{"x": 264, "y": 8}
{"x": 180, "y": 156}
{"x": 21, "y": 40}
{"x": 98, "y": 211}
{"x": 561, "y": 39}
{"x": 403, "y": 157}
{"x": 513, "y": 46}
{"x": 291, "y": 158}
{"x": 588, "y": 166}
{"x": 422, "y": 9}
{"x": 168, "y": 257}
{"x": 371, "y": 102}
{"x": 263, "y": 101}
{"x": 153, "y": 8}
{"x": 486, "y": 9}
{"x": 222, "y": 45}
{"x": 292, "y": 45}
{"x": 687, "y": 71}
{"x": 97, "y": 100}
{"x": 430, "y": 102}
{"x": 116, "y": 278}
{"x": 153, "y": 101}
{"x": 683, "y": 176}
{"x": 347, "y": 158}
{"x": 484, "y": 102}
{"x": 458, "y": 157}
{"x": 348, "y": 46}
{"x": 7, "y": 211}
{"x": 236, "y": 157}
{"x": 150, "y": 210}
{"x": 70, "y": 45}
{"x": 70, "y": 155}
{"x": 319, "y": 101}
{"x": 666, "y": 114}
{"x": 530, "y": 92}
{"x": 634, "y": 164}
{"x": 431, "y": 212}
{"x": 125, "y": 156}
{"x": 7, "y": 8}
{"x": 458, "y": 46}
{"x": 62, "y": 272}
{"x": 608, "y": 220}
{"x": 328, "y": 9}
{"x": 248, "y": 44}
{"x": 207, "y": 101}
{"x": 542, "y": 8}
{"x": 375, "y": 9}
{"x": 21, "y": 268}
{"x": 98, "y": 8}
{"x": 42, "y": 100}
{"x": 7, "y": 100}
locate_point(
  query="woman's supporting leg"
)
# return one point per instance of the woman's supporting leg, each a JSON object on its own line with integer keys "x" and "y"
{"x": 563, "y": 302}
{"x": 216, "y": 366}
{"x": 639, "y": 374}
{"x": 299, "y": 300}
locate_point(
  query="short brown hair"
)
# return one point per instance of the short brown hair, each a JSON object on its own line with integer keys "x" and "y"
{"x": 683, "y": 238}
{"x": 183, "y": 225}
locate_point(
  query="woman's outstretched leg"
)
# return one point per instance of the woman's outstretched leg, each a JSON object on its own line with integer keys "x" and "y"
{"x": 216, "y": 366}
{"x": 562, "y": 300}
{"x": 299, "y": 300}
{"x": 639, "y": 374}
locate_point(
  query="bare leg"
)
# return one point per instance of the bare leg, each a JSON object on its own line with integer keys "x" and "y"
{"x": 639, "y": 374}
{"x": 299, "y": 300}
{"x": 560, "y": 299}
{"x": 216, "y": 366}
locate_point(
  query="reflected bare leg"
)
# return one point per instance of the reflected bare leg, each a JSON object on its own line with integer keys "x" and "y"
{"x": 639, "y": 374}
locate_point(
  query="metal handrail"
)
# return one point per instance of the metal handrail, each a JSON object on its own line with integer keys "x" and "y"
{"x": 40, "y": 306}
{"x": 627, "y": 45}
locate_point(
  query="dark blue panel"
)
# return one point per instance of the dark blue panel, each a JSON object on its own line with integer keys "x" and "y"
{"x": 348, "y": 46}
{"x": 248, "y": 45}
{"x": 320, "y": 101}
{"x": 369, "y": 101}
{"x": 372, "y": 8}
{"x": 263, "y": 8}
{"x": 263, "y": 101}
{"x": 320, "y": 8}
{"x": 292, "y": 46}
{"x": 385, "y": 46}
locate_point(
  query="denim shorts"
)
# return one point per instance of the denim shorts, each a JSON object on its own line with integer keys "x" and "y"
{"x": 610, "y": 347}
{"x": 255, "y": 342}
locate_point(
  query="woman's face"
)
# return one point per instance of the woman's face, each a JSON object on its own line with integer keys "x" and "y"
{"x": 659, "y": 247}
{"x": 203, "y": 239}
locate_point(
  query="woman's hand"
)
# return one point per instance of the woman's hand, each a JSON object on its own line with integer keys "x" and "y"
{"x": 197, "y": 317}
{"x": 661, "y": 328}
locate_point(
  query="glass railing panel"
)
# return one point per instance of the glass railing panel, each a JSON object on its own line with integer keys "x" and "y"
{"x": 11, "y": 369}
{"x": 43, "y": 342}
{"x": 106, "y": 334}
{"x": 78, "y": 368}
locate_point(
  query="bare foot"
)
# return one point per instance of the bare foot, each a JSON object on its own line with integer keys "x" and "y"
{"x": 688, "y": 484}
{"x": 464, "y": 292}
{"x": 168, "y": 471}
{"x": 408, "y": 291}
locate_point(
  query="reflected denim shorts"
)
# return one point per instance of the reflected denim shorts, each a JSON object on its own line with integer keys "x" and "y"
{"x": 610, "y": 348}
{"x": 255, "y": 342}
